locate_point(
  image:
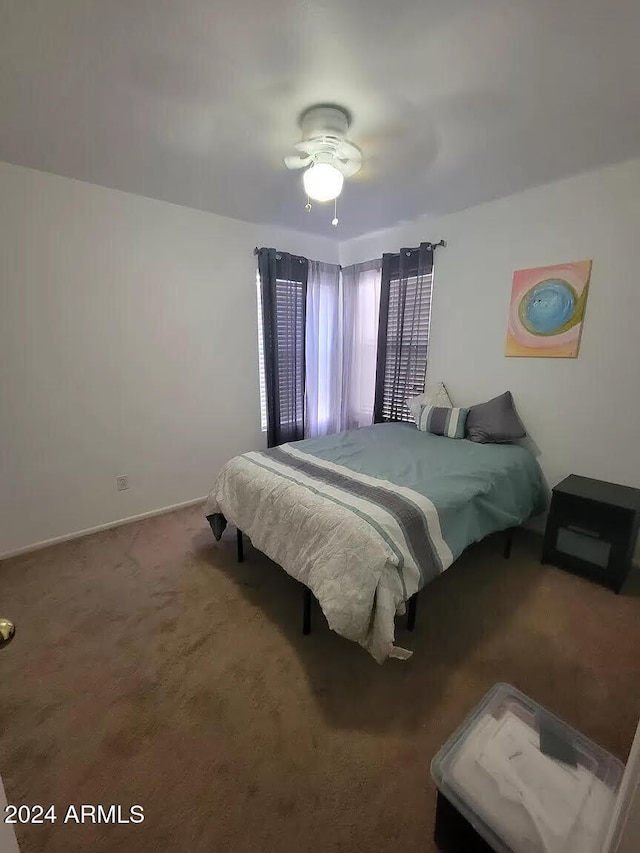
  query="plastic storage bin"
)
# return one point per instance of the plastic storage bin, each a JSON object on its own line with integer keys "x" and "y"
{"x": 526, "y": 781}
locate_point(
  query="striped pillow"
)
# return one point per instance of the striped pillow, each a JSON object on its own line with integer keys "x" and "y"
{"x": 441, "y": 421}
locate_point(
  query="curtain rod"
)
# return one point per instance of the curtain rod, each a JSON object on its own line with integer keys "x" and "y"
{"x": 442, "y": 243}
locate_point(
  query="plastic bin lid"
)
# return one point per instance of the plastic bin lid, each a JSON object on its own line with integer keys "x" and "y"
{"x": 525, "y": 780}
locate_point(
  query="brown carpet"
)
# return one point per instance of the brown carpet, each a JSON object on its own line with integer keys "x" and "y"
{"x": 150, "y": 668}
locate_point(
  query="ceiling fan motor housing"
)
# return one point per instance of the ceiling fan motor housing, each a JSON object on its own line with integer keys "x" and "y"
{"x": 324, "y": 120}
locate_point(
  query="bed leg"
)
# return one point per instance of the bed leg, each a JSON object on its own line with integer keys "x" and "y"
{"x": 306, "y": 610}
{"x": 240, "y": 546}
{"x": 508, "y": 542}
{"x": 411, "y": 611}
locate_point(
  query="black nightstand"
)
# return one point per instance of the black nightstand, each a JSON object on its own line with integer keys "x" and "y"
{"x": 592, "y": 529}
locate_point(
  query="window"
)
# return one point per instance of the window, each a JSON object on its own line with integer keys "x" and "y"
{"x": 282, "y": 290}
{"x": 333, "y": 344}
{"x": 340, "y": 338}
{"x": 406, "y": 362}
{"x": 263, "y": 382}
{"x": 403, "y": 340}
{"x": 324, "y": 344}
{"x": 290, "y": 325}
{"x": 361, "y": 286}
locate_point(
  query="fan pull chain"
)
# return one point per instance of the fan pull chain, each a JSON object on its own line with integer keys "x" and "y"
{"x": 335, "y": 219}
{"x": 307, "y": 206}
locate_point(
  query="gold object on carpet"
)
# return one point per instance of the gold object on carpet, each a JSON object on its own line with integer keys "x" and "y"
{"x": 7, "y": 631}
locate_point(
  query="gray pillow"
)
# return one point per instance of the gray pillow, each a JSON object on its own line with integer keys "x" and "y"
{"x": 495, "y": 421}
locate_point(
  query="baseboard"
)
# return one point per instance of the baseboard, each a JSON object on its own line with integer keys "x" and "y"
{"x": 87, "y": 531}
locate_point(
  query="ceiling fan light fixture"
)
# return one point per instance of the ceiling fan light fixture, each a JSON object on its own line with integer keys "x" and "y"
{"x": 323, "y": 182}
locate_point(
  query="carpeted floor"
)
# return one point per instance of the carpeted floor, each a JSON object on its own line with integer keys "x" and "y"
{"x": 150, "y": 668}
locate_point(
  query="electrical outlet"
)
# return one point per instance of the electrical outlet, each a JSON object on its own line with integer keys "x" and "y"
{"x": 122, "y": 483}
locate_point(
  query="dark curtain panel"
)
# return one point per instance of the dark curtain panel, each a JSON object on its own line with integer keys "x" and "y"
{"x": 403, "y": 331}
{"x": 283, "y": 280}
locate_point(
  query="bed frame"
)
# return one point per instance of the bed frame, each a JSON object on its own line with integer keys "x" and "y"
{"x": 412, "y": 603}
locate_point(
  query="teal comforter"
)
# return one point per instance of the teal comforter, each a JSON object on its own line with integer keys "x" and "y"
{"x": 477, "y": 489}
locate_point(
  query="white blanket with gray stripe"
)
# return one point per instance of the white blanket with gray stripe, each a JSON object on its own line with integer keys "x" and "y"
{"x": 359, "y": 543}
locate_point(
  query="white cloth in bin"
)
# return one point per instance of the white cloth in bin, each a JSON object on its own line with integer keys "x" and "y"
{"x": 534, "y": 803}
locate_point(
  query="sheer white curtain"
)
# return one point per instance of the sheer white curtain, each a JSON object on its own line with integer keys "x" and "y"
{"x": 324, "y": 350}
{"x": 360, "y": 312}
{"x": 341, "y": 346}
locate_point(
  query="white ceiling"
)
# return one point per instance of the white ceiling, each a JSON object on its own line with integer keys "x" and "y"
{"x": 455, "y": 102}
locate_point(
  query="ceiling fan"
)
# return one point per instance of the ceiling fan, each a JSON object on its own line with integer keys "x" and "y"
{"x": 325, "y": 153}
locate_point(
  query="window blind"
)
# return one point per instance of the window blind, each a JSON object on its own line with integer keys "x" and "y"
{"x": 261, "y": 368}
{"x": 290, "y": 298}
{"x": 403, "y": 337}
{"x": 283, "y": 284}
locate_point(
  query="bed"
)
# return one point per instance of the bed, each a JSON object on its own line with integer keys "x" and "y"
{"x": 366, "y": 518}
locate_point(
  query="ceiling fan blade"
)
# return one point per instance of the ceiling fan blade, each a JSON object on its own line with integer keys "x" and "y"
{"x": 294, "y": 161}
{"x": 349, "y": 167}
{"x": 347, "y": 150}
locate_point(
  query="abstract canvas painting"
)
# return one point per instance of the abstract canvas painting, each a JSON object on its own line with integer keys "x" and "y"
{"x": 547, "y": 310}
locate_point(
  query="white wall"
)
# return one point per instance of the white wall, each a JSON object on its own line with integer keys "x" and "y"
{"x": 127, "y": 346}
{"x": 584, "y": 413}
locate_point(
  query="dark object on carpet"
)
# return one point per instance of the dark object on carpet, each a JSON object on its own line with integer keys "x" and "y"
{"x": 151, "y": 668}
